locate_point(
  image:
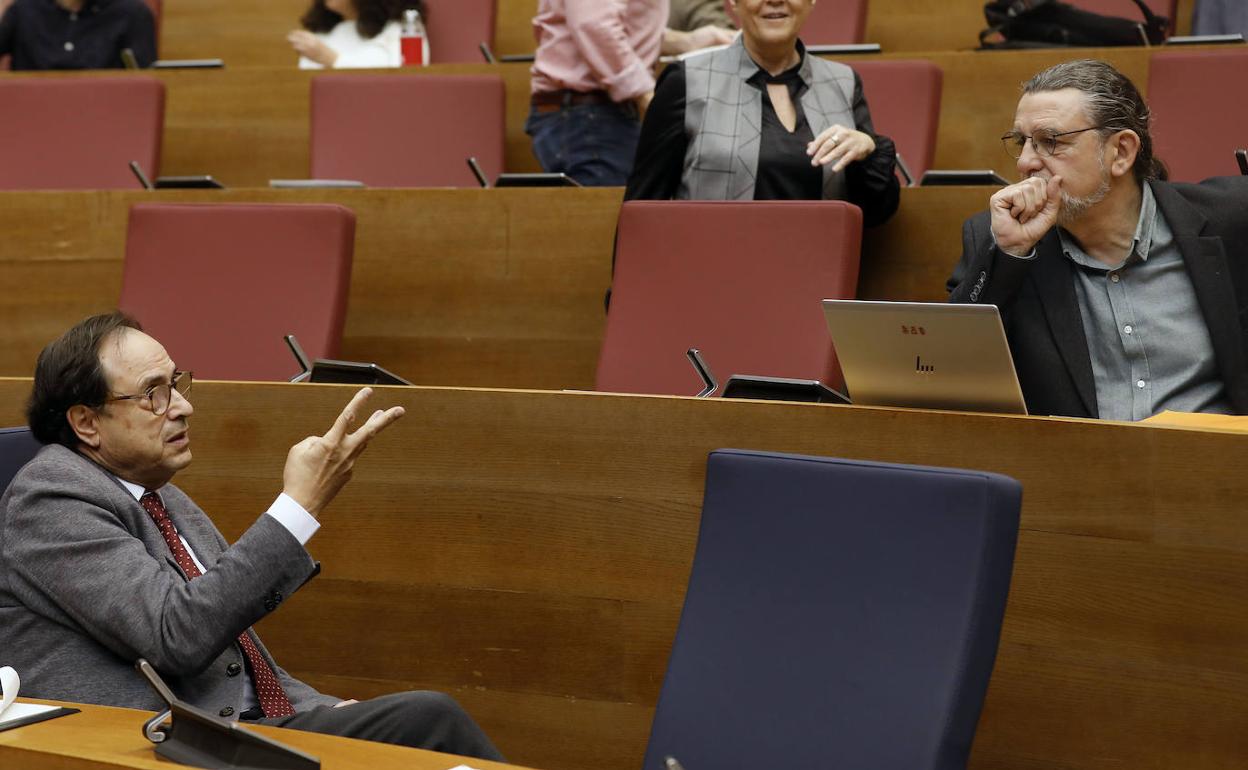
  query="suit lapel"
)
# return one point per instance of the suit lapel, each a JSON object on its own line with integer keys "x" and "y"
{"x": 1210, "y": 273}
{"x": 1055, "y": 290}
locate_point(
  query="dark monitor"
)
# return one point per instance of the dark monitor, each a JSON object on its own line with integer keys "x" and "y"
{"x": 353, "y": 373}
{"x": 782, "y": 389}
{"x": 535, "y": 180}
{"x": 197, "y": 738}
{"x": 1232, "y": 39}
{"x": 187, "y": 64}
{"x": 840, "y": 49}
{"x": 192, "y": 182}
{"x": 764, "y": 388}
{"x": 339, "y": 372}
{"x": 977, "y": 176}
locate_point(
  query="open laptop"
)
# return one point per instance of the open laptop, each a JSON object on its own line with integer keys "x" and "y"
{"x": 928, "y": 355}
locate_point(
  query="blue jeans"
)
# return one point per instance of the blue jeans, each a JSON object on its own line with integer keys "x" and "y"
{"x": 592, "y": 143}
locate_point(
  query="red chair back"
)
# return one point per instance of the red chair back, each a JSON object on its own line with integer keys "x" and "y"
{"x": 742, "y": 281}
{"x": 830, "y": 22}
{"x": 904, "y": 96}
{"x": 1198, "y": 122}
{"x": 457, "y": 28}
{"x": 401, "y": 130}
{"x": 220, "y": 284}
{"x": 76, "y": 133}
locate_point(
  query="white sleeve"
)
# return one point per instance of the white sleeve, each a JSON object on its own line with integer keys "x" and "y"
{"x": 294, "y": 518}
{"x": 380, "y": 51}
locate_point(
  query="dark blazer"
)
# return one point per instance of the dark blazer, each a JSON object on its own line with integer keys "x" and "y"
{"x": 88, "y": 585}
{"x": 1041, "y": 312}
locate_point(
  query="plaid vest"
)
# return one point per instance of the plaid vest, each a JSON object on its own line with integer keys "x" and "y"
{"x": 724, "y": 118}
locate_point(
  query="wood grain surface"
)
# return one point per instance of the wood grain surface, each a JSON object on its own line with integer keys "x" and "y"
{"x": 104, "y": 738}
{"x": 247, "y": 125}
{"x": 528, "y": 551}
{"x": 251, "y": 34}
{"x": 498, "y": 288}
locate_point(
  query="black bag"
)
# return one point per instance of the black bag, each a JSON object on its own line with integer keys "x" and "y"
{"x": 1049, "y": 24}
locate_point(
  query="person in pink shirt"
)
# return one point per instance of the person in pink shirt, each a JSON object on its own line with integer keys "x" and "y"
{"x": 592, "y": 79}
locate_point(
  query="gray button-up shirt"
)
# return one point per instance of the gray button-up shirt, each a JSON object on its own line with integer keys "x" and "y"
{"x": 1148, "y": 342}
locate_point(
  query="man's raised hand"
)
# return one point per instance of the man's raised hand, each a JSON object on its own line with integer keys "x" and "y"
{"x": 319, "y": 466}
{"x": 1022, "y": 213}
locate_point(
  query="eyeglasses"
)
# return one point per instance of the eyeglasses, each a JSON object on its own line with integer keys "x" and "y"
{"x": 1043, "y": 142}
{"x": 158, "y": 396}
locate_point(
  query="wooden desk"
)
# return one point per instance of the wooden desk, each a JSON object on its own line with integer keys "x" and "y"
{"x": 498, "y": 288}
{"x": 528, "y": 552}
{"x": 247, "y": 125}
{"x": 103, "y": 738}
{"x": 251, "y": 33}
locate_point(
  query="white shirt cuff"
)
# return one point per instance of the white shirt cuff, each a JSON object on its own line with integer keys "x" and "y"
{"x": 294, "y": 518}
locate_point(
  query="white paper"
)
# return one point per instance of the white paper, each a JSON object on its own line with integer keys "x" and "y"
{"x": 10, "y": 711}
{"x": 9, "y": 684}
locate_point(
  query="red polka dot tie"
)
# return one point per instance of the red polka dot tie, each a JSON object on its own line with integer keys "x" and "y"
{"x": 273, "y": 700}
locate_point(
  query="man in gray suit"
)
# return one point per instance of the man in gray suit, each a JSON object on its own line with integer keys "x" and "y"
{"x": 103, "y": 561}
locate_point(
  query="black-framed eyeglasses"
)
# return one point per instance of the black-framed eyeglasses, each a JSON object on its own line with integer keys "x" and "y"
{"x": 158, "y": 396}
{"x": 1043, "y": 142}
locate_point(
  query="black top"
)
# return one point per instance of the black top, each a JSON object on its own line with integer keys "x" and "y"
{"x": 42, "y": 35}
{"x": 784, "y": 171}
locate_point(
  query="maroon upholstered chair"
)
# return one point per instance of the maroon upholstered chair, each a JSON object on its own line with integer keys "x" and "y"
{"x": 220, "y": 284}
{"x": 1197, "y": 121}
{"x": 904, "y": 97}
{"x": 75, "y": 133}
{"x": 742, "y": 281}
{"x": 1126, "y": 9}
{"x": 401, "y": 130}
{"x": 830, "y": 22}
{"x": 457, "y": 28}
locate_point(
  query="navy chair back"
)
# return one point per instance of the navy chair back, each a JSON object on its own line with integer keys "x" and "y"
{"x": 839, "y": 614}
{"x": 17, "y": 447}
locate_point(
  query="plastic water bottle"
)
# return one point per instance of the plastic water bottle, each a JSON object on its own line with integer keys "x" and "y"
{"x": 413, "y": 41}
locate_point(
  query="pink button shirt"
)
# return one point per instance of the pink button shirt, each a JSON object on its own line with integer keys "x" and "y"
{"x": 593, "y": 45}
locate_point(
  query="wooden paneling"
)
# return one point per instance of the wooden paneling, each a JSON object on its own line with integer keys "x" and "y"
{"x": 246, "y": 126}
{"x": 513, "y": 31}
{"x": 499, "y": 288}
{"x": 249, "y": 125}
{"x": 954, "y": 25}
{"x": 464, "y": 287}
{"x": 899, "y": 26}
{"x": 528, "y": 552}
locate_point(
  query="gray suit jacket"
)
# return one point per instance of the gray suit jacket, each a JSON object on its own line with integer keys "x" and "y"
{"x": 88, "y": 586}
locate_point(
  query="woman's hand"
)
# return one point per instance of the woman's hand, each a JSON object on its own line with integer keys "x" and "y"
{"x": 307, "y": 44}
{"x": 839, "y": 145}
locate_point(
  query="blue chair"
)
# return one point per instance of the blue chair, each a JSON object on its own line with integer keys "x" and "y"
{"x": 17, "y": 447}
{"x": 840, "y": 614}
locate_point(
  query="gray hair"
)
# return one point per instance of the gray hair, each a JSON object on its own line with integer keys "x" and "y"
{"x": 1112, "y": 102}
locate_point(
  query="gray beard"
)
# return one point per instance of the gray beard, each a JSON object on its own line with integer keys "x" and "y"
{"x": 1074, "y": 208}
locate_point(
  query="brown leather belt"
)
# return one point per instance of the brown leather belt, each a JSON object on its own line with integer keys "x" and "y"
{"x": 549, "y": 101}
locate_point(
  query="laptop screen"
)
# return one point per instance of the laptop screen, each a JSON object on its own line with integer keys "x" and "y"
{"x": 929, "y": 355}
